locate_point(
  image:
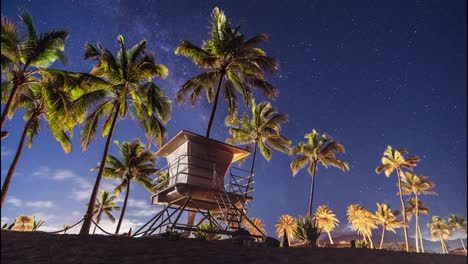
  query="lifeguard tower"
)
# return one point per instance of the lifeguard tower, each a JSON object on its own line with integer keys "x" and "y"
{"x": 194, "y": 182}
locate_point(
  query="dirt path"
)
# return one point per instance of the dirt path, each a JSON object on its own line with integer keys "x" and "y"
{"x": 40, "y": 247}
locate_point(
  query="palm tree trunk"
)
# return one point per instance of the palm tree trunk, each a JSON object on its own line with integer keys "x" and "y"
{"x": 124, "y": 207}
{"x": 383, "y": 235}
{"x": 461, "y": 240}
{"x": 89, "y": 213}
{"x": 403, "y": 209}
{"x": 251, "y": 169}
{"x": 11, "y": 170}
{"x": 215, "y": 105}
{"x": 330, "y": 237}
{"x": 312, "y": 188}
{"x": 7, "y": 109}
{"x": 421, "y": 239}
{"x": 190, "y": 221}
{"x": 364, "y": 238}
{"x": 417, "y": 222}
{"x": 95, "y": 226}
{"x": 371, "y": 242}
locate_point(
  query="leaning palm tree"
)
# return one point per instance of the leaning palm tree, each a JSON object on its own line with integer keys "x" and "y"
{"x": 124, "y": 85}
{"x": 362, "y": 221}
{"x": 105, "y": 205}
{"x": 256, "y": 227}
{"x": 440, "y": 230}
{"x": 230, "y": 63}
{"x": 286, "y": 225}
{"x": 22, "y": 56}
{"x": 326, "y": 220}
{"x": 262, "y": 131}
{"x": 319, "y": 149}
{"x": 44, "y": 100}
{"x": 417, "y": 185}
{"x": 136, "y": 164}
{"x": 456, "y": 222}
{"x": 394, "y": 160}
{"x": 411, "y": 209}
{"x": 387, "y": 219}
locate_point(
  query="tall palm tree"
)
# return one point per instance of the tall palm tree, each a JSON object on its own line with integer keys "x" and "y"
{"x": 105, "y": 205}
{"x": 411, "y": 209}
{"x": 230, "y": 63}
{"x": 387, "y": 219}
{"x": 319, "y": 149}
{"x": 362, "y": 221}
{"x": 326, "y": 220}
{"x": 136, "y": 164}
{"x": 394, "y": 160}
{"x": 124, "y": 84}
{"x": 22, "y": 56}
{"x": 440, "y": 231}
{"x": 44, "y": 100}
{"x": 286, "y": 225}
{"x": 456, "y": 222}
{"x": 263, "y": 131}
{"x": 417, "y": 185}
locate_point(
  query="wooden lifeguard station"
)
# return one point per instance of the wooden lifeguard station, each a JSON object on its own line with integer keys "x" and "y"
{"x": 194, "y": 182}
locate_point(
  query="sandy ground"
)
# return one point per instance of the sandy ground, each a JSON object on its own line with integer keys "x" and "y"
{"x": 38, "y": 247}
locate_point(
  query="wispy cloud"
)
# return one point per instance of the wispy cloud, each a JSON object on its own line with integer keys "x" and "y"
{"x": 109, "y": 227}
{"x": 40, "y": 204}
{"x": 14, "y": 201}
{"x": 58, "y": 174}
{"x": 6, "y": 152}
{"x": 145, "y": 212}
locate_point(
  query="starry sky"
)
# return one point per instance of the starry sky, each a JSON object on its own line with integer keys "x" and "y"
{"x": 369, "y": 73}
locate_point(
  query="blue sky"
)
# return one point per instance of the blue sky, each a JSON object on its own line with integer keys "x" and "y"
{"x": 369, "y": 73}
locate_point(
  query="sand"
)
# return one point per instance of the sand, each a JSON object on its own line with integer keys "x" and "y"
{"x": 39, "y": 247}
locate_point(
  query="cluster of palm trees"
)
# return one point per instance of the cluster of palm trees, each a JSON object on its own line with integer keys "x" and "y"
{"x": 123, "y": 83}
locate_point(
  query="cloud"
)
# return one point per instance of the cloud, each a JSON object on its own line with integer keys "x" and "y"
{"x": 4, "y": 220}
{"x": 6, "y": 152}
{"x": 86, "y": 188}
{"x": 110, "y": 227}
{"x": 42, "y": 171}
{"x": 14, "y": 201}
{"x": 44, "y": 216}
{"x": 41, "y": 204}
{"x": 61, "y": 174}
{"x": 57, "y": 175}
{"x": 144, "y": 212}
{"x": 133, "y": 203}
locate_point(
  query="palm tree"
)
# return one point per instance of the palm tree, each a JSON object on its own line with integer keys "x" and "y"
{"x": 394, "y": 160}
{"x": 263, "y": 131}
{"x": 255, "y": 226}
{"x": 22, "y": 56}
{"x": 286, "y": 225}
{"x": 306, "y": 231}
{"x": 362, "y": 221}
{"x": 326, "y": 220}
{"x": 47, "y": 101}
{"x": 105, "y": 206}
{"x": 136, "y": 164}
{"x": 319, "y": 149}
{"x": 124, "y": 83}
{"x": 387, "y": 219}
{"x": 440, "y": 231}
{"x": 417, "y": 185}
{"x": 412, "y": 209}
{"x": 230, "y": 59}
{"x": 456, "y": 222}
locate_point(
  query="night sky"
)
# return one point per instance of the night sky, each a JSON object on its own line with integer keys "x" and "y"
{"x": 369, "y": 73}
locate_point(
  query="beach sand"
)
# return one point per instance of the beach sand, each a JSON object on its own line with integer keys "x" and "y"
{"x": 40, "y": 247}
